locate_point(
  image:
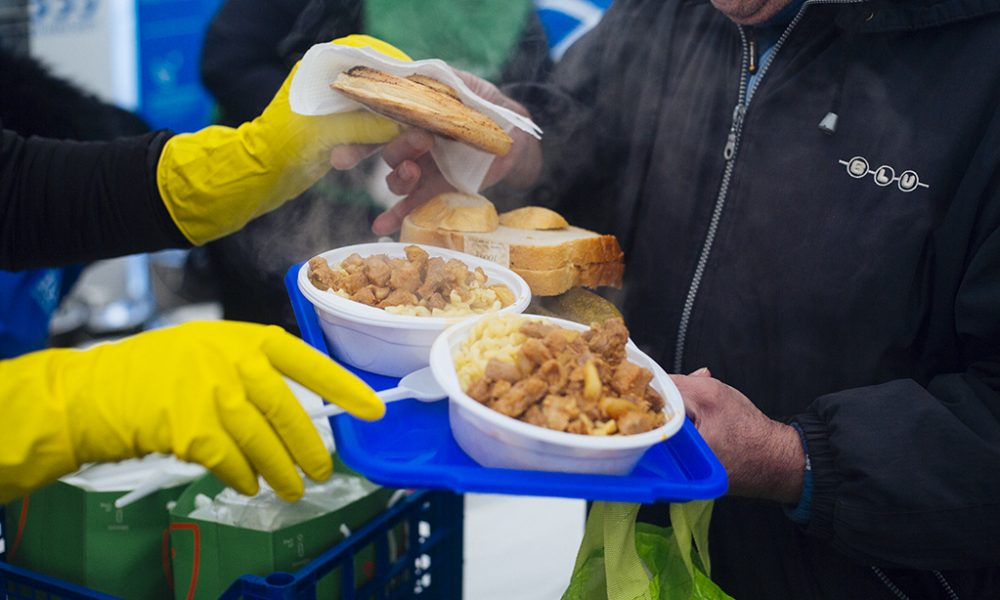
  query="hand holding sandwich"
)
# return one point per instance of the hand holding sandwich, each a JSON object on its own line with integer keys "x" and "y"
{"x": 415, "y": 174}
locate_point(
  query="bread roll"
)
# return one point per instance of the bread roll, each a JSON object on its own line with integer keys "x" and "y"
{"x": 533, "y": 217}
{"x": 457, "y": 212}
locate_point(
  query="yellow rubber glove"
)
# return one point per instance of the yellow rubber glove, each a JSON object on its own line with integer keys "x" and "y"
{"x": 216, "y": 180}
{"x": 210, "y": 393}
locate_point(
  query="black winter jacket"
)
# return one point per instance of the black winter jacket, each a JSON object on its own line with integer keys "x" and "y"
{"x": 849, "y": 282}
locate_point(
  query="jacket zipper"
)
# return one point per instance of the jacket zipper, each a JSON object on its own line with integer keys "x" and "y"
{"x": 729, "y": 153}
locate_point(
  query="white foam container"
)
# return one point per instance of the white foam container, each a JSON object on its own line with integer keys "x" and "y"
{"x": 370, "y": 338}
{"x": 496, "y": 440}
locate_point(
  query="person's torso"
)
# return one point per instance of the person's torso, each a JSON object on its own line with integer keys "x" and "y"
{"x": 808, "y": 263}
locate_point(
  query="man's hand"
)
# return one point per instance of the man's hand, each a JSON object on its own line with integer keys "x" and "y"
{"x": 764, "y": 458}
{"x": 416, "y": 176}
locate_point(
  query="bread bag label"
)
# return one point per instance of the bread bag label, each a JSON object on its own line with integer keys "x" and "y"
{"x": 491, "y": 250}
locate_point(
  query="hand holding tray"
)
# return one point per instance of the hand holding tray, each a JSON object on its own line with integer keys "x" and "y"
{"x": 412, "y": 447}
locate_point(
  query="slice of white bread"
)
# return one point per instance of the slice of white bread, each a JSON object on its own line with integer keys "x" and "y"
{"x": 557, "y": 281}
{"x": 551, "y": 261}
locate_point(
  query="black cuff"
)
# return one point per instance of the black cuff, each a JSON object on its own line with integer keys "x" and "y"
{"x": 170, "y": 235}
{"x": 826, "y": 478}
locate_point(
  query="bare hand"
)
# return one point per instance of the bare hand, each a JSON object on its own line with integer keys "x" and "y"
{"x": 764, "y": 458}
{"x": 415, "y": 174}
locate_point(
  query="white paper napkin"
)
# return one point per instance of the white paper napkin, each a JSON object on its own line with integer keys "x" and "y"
{"x": 462, "y": 165}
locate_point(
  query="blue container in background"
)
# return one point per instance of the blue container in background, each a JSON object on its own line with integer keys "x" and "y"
{"x": 170, "y": 35}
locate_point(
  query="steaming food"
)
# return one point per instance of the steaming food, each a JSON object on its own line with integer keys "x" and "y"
{"x": 417, "y": 285}
{"x": 559, "y": 378}
{"x": 423, "y": 102}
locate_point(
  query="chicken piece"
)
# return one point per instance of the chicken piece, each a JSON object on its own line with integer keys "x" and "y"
{"x": 417, "y": 256}
{"x": 479, "y": 390}
{"x": 654, "y": 399}
{"x": 605, "y": 371}
{"x": 536, "y": 329}
{"x": 630, "y": 379}
{"x": 398, "y": 298}
{"x": 365, "y": 295}
{"x": 398, "y": 263}
{"x": 608, "y": 339}
{"x": 636, "y": 422}
{"x": 320, "y": 273}
{"x": 479, "y": 275}
{"x": 353, "y": 282}
{"x": 535, "y": 416}
{"x": 576, "y": 369}
{"x": 554, "y": 374}
{"x": 456, "y": 273}
{"x": 556, "y": 340}
{"x": 559, "y": 411}
{"x": 591, "y": 408}
{"x": 353, "y": 263}
{"x": 499, "y": 388}
{"x": 435, "y": 300}
{"x": 522, "y": 395}
{"x": 434, "y": 278}
{"x": 535, "y": 351}
{"x": 378, "y": 270}
{"x": 380, "y": 292}
{"x": 502, "y": 370}
{"x": 406, "y": 278}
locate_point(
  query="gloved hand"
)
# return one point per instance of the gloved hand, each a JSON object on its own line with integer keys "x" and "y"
{"x": 216, "y": 180}
{"x": 210, "y": 393}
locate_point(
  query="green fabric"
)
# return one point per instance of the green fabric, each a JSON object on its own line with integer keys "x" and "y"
{"x": 621, "y": 560}
{"x": 473, "y": 35}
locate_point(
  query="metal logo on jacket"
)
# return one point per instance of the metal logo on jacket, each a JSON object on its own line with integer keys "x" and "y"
{"x": 907, "y": 181}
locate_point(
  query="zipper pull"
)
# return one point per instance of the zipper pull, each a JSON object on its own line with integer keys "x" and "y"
{"x": 738, "y": 111}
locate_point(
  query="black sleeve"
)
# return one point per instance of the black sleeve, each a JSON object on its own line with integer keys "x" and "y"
{"x": 565, "y": 105}
{"x": 240, "y": 63}
{"x": 63, "y": 202}
{"x": 907, "y": 473}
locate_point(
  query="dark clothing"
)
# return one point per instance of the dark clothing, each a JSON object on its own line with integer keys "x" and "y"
{"x": 241, "y": 62}
{"x": 36, "y": 102}
{"x": 63, "y": 202}
{"x": 859, "y": 298}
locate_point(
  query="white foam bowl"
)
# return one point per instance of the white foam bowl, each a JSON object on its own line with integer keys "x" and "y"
{"x": 493, "y": 439}
{"x": 372, "y": 339}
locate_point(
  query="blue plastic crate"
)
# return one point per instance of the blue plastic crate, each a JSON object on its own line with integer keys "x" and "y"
{"x": 429, "y": 564}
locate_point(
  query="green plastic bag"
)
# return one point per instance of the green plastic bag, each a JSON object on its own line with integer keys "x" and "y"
{"x": 621, "y": 560}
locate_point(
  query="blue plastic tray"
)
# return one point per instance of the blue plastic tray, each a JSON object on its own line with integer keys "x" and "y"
{"x": 412, "y": 447}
